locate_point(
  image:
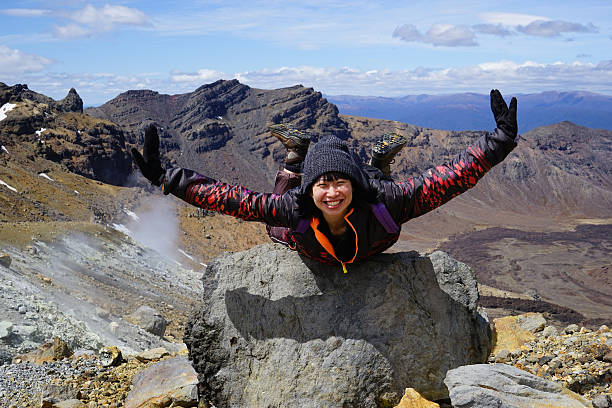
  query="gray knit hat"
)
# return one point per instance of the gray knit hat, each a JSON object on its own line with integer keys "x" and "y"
{"x": 331, "y": 154}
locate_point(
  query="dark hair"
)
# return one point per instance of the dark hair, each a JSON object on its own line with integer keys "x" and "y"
{"x": 330, "y": 176}
{"x": 306, "y": 206}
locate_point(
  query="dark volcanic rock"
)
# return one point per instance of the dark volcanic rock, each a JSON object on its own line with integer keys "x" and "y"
{"x": 72, "y": 102}
{"x": 87, "y": 146}
{"x": 221, "y": 129}
{"x": 278, "y": 330}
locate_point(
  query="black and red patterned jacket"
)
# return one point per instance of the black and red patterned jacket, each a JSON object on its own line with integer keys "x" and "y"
{"x": 404, "y": 200}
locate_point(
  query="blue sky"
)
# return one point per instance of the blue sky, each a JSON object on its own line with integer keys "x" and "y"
{"x": 382, "y": 48}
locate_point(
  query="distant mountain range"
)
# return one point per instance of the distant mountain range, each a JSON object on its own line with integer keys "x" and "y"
{"x": 470, "y": 111}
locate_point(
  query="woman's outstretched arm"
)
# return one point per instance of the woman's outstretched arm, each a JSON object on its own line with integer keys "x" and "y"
{"x": 210, "y": 194}
{"x": 436, "y": 186}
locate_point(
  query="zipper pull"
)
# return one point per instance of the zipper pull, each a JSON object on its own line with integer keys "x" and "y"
{"x": 344, "y": 267}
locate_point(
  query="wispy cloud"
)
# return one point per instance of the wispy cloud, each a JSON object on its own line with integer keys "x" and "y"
{"x": 202, "y": 76}
{"x": 510, "y": 19}
{"x": 14, "y": 62}
{"x": 91, "y": 20}
{"x": 24, "y": 12}
{"x": 542, "y": 28}
{"x": 438, "y": 35}
{"x": 493, "y": 29}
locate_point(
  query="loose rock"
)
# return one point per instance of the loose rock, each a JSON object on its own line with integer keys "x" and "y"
{"x": 501, "y": 385}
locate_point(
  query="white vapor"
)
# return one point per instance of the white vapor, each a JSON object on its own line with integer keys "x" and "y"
{"x": 157, "y": 227}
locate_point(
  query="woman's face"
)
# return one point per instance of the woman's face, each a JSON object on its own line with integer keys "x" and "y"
{"x": 332, "y": 197}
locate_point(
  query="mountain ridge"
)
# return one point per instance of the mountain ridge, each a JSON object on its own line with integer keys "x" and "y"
{"x": 470, "y": 110}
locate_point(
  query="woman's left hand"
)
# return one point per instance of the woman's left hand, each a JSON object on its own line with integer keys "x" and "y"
{"x": 505, "y": 117}
{"x": 149, "y": 162}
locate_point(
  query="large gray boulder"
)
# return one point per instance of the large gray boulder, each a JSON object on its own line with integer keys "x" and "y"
{"x": 278, "y": 330}
{"x": 505, "y": 386}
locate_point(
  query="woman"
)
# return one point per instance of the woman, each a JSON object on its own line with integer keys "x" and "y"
{"x": 337, "y": 210}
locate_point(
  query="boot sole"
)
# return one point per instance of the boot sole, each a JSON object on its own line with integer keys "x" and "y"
{"x": 390, "y": 144}
{"x": 286, "y": 134}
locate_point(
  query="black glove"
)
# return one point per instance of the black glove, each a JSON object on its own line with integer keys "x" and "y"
{"x": 150, "y": 165}
{"x": 505, "y": 117}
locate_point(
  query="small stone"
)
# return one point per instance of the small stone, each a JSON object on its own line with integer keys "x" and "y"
{"x": 5, "y": 260}
{"x": 602, "y": 401}
{"x": 531, "y": 322}
{"x": 110, "y": 356}
{"x": 6, "y": 328}
{"x": 550, "y": 331}
{"x": 544, "y": 360}
{"x": 502, "y": 356}
{"x": 152, "y": 354}
{"x": 22, "y": 309}
{"x": 71, "y": 403}
{"x": 572, "y": 328}
{"x": 102, "y": 313}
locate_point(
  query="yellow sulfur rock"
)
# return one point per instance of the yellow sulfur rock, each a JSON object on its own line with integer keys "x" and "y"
{"x": 508, "y": 334}
{"x": 412, "y": 399}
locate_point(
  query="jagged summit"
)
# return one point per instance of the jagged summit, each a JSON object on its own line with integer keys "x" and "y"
{"x": 72, "y": 102}
{"x": 225, "y": 119}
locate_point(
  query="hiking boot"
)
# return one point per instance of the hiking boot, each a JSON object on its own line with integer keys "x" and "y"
{"x": 295, "y": 141}
{"x": 385, "y": 149}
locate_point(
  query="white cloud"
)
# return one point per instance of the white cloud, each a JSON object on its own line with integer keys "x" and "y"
{"x": 543, "y": 28}
{"x": 492, "y": 29}
{"x": 14, "y": 62}
{"x": 438, "y": 35}
{"x": 23, "y": 12}
{"x": 510, "y": 19}
{"x": 110, "y": 14}
{"x": 91, "y": 20}
{"x": 202, "y": 76}
{"x": 71, "y": 31}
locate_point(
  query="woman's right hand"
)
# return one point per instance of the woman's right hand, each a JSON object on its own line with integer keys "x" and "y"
{"x": 149, "y": 162}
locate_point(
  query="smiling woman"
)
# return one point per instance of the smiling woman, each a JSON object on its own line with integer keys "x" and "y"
{"x": 326, "y": 203}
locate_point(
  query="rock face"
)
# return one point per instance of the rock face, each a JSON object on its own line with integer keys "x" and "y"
{"x": 72, "y": 102}
{"x": 278, "y": 330}
{"x": 501, "y": 385}
{"x": 221, "y": 129}
{"x": 87, "y": 146}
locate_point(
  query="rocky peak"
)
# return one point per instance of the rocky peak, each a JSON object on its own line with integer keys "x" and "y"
{"x": 224, "y": 119}
{"x": 71, "y": 103}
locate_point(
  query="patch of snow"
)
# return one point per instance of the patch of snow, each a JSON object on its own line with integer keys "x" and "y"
{"x": 39, "y": 132}
{"x": 186, "y": 254}
{"x": 2, "y": 183}
{"x": 4, "y": 149}
{"x": 132, "y": 215}
{"x": 6, "y": 108}
{"x": 178, "y": 263}
{"x": 76, "y": 192}
{"x": 121, "y": 228}
{"x": 45, "y": 176}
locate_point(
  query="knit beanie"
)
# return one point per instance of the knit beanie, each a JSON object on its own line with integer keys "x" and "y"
{"x": 328, "y": 155}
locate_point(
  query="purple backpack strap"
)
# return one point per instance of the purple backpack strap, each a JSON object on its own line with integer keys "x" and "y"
{"x": 302, "y": 226}
{"x": 383, "y": 216}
